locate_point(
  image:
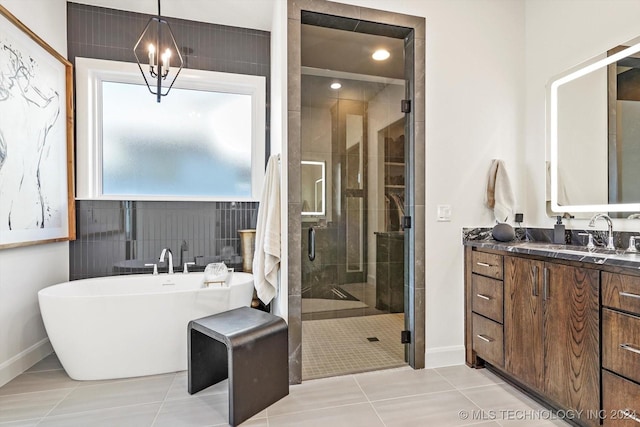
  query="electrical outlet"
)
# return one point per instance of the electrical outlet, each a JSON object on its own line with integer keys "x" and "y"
{"x": 519, "y": 217}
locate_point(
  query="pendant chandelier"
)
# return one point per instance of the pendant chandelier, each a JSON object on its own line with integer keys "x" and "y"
{"x": 157, "y": 47}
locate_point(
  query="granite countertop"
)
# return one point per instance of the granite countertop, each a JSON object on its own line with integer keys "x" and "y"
{"x": 600, "y": 256}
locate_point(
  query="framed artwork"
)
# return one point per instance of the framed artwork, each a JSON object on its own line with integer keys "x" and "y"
{"x": 36, "y": 139}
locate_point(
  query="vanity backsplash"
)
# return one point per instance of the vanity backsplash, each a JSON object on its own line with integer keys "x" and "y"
{"x": 576, "y": 237}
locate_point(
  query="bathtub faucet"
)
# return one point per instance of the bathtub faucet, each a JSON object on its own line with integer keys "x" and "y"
{"x": 167, "y": 251}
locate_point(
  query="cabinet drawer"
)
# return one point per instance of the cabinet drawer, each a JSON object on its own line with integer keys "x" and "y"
{"x": 487, "y": 264}
{"x": 621, "y": 291}
{"x": 621, "y": 343}
{"x": 487, "y": 297}
{"x": 620, "y": 401}
{"x": 488, "y": 340}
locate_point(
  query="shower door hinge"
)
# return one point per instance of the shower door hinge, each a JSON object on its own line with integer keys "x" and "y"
{"x": 406, "y": 222}
{"x": 405, "y": 337}
{"x": 405, "y": 105}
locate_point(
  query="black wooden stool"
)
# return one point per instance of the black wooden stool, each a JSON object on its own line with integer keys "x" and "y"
{"x": 248, "y": 346}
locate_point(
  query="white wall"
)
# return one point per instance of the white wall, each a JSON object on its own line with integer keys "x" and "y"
{"x": 24, "y": 271}
{"x": 279, "y": 132}
{"x": 559, "y": 35}
{"x": 474, "y": 112}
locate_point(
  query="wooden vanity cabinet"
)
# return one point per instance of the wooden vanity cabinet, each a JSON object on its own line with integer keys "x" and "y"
{"x": 484, "y": 308}
{"x": 620, "y": 349}
{"x": 571, "y": 325}
{"x": 551, "y": 330}
{"x": 550, "y": 324}
{"x": 524, "y": 352}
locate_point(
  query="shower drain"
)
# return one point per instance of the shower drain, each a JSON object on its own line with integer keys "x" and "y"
{"x": 373, "y": 339}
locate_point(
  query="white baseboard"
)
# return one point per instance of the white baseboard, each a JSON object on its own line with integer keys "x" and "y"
{"x": 24, "y": 360}
{"x": 444, "y": 356}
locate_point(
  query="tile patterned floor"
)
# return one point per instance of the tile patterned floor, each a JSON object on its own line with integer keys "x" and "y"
{"x": 334, "y": 347}
{"x": 452, "y": 396}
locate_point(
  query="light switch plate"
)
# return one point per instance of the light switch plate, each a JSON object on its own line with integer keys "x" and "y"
{"x": 444, "y": 213}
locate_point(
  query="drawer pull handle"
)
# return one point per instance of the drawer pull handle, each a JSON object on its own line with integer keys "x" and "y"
{"x": 628, "y": 413}
{"x": 628, "y": 294}
{"x": 484, "y": 338}
{"x": 545, "y": 284}
{"x": 484, "y": 297}
{"x": 483, "y": 264}
{"x": 630, "y": 348}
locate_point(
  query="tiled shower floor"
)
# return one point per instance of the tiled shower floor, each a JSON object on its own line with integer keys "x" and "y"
{"x": 332, "y": 347}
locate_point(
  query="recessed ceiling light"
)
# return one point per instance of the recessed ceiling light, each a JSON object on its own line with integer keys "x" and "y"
{"x": 335, "y": 85}
{"x": 381, "y": 55}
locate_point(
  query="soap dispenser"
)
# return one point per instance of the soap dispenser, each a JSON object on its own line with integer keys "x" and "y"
{"x": 558, "y": 231}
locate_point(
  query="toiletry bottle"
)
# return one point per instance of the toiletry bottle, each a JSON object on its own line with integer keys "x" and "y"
{"x": 558, "y": 231}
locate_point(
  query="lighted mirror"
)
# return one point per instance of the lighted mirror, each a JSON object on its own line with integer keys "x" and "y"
{"x": 313, "y": 188}
{"x": 594, "y": 134}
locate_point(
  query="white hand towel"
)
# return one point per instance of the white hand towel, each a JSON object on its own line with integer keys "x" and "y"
{"x": 500, "y": 196}
{"x": 266, "y": 259}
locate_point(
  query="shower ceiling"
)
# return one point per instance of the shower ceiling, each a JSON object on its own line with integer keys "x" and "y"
{"x": 348, "y": 51}
{"x": 330, "y": 55}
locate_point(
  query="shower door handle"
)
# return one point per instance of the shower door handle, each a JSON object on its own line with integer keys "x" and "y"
{"x": 312, "y": 244}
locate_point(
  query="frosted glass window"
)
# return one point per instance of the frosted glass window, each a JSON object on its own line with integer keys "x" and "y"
{"x": 205, "y": 141}
{"x": 194, "y": 143}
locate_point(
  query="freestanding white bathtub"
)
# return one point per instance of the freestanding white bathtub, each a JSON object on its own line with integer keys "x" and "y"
{"x": 133, "y": 325}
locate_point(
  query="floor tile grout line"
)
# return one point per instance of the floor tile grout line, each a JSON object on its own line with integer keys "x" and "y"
{"x": 10, "y": 422}
{"x": 369, "y": 400}
{"x": 445, "y": 378}
{"x": 56, "y": 405}
{"x": 49, "y": 416}
{"x": 317, "y": 409}
{"x": 493, "y": 382}
{"x": 481, "y": 407}
{"x": 39, "y": 391}
{"x": 93, "y": 383}
{"x": 286, "y": 414}
{"x": 164, "y": 399}
{"x": 39, "y": 371}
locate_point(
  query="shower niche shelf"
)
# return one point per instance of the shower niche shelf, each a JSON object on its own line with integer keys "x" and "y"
{"x": 391, "y": 139}
{"x": 390, "y": 241}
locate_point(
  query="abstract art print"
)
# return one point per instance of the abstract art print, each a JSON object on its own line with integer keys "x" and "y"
{"x": 36, "y": 145}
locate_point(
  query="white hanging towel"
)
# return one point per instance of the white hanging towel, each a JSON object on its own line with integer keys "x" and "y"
{"x": 266, "y": 259}
{"x": 500, "y": 196}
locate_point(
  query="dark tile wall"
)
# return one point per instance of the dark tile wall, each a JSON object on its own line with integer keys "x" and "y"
{"x": 119, "y": 237}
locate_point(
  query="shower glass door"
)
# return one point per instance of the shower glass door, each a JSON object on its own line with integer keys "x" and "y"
{"x": 353, "y": 275}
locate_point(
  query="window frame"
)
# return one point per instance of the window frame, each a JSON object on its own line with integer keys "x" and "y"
{"x": 90, "y": 73}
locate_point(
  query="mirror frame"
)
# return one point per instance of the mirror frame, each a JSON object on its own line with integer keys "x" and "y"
{"x": 323, "y": 181}
{"x": 552, "y": 130}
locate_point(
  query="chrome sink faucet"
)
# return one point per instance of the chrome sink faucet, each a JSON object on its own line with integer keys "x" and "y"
{"x": 167, "y": 251}
{"x": 609, "y": 226}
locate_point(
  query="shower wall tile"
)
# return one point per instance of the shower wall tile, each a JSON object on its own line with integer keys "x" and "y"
{"x": 119, "y": 237}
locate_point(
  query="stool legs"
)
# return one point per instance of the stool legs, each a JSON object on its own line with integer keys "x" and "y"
{"x": 207, "y": 361}
{"x": 258, "y": 376}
